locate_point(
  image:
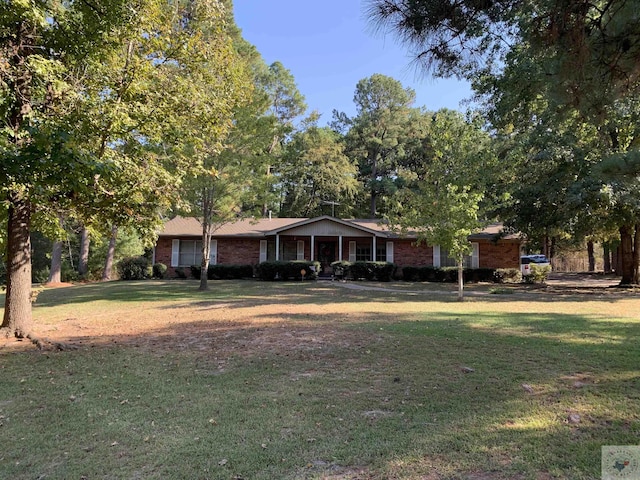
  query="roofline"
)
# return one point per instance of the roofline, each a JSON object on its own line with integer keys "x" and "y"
{"x": 345, "y": 223}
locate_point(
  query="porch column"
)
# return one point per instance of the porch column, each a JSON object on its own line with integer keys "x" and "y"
{"x": 373, "y": 252}
{"x": 313, "y": 243}
{"x": 340, "y": 248}
{"x": 277, "y": 247}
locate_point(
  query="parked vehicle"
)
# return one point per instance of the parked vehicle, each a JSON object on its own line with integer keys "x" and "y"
{"x": 527, "y": 260}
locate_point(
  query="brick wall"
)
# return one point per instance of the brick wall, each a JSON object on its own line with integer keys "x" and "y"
{"x": 407, "y": 253}
{"x": 503, "y": 254}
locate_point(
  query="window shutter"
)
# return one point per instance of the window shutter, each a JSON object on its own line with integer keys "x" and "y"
{"x": 300, "y": 250}
{"x": 213, "y": 252}
{"x": 175, "y": 253}
{"x": 352, "y": 251}
{"x": 263, "y": 251}
{"x": 436, "y": 255}
{"x": 475, "y": 256}
{"x": 390, "y": 252}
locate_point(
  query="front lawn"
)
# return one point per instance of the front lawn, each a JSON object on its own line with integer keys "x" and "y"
{"x": 256, "y": 380}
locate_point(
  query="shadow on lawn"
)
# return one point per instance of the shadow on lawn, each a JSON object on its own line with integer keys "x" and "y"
{"x": 317, "y": 293}
{"x": 384, "y": 391}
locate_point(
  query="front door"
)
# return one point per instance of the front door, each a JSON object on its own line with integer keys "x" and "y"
{"x": 326, "y": 255}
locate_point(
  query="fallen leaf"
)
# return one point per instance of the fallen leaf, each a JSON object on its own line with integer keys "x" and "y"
{"x": 223, "y": 462}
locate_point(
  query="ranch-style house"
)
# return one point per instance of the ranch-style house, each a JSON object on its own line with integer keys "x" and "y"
{"x": 324, "y": 239}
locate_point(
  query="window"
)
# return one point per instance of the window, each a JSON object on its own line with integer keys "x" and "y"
{"x": 363, "y": 252}
{"x": 381, "y": 252}
{"x": 190, "y": 253}
{"x": 292, "y": 250}
{"x": 185, "y": 253}
{"x": 469, "y": 261}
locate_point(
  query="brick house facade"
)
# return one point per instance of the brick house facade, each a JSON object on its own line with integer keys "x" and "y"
{"x": 324, "y": 239}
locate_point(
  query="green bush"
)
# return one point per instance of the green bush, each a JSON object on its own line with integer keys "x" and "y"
{"x": 538, "y": 274}
{"x": 224, "y": 271}
{"x": 159, "y": 270}
{"x": 450, "y": 274}
{"x": 507, "y": 275}
{"x": 134, "y": 268}
{"x": 180, "y": 273}
{"x": 381, "y": 271}
{"x": 287, "y": 270}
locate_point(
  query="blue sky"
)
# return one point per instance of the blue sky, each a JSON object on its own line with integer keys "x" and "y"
{"x": 329, "y": 46}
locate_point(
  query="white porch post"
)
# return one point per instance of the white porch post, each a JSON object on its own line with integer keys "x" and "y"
{"x": 277, "y": 247}
{"x": 313, "y": 243}
{"x": 373, "y": 253}
{"x": 340, "y": 248}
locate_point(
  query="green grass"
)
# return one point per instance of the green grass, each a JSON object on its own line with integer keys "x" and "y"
{"x": 310, "y": 381}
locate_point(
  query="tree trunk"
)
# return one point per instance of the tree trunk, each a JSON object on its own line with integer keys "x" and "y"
{"x": 636, "y": 255}
{"x": 111, "y": 252}
{"x": 606, "y": 247}
{"x": 592, "y": 258}
{"x": 83, "y": 262}
{"x": 461, "y": 279}
{"x": 17, "y": 319}
{"x": 626, "y": 255}
{"x": 55, "y": 274}
{"x": 204, "y": 264}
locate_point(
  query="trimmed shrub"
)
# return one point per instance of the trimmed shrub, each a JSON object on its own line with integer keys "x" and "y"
{"x": 287, "y": 270}
{"x": 538, "y": 274}
{"x": 450, "y": 274}
{"x": 229, "y": 272}
{"x": 134, "y": 268}
{"x": 180, "y": 273}
{"x": 159, "y": 270}
{"x": 507, "y": 275}
{"x": 381, "y": 271}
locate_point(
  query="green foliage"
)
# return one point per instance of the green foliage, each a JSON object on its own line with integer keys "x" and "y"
{"x": 380, "y": 271}
{"x": 374, "y": 136}
{"x": 134, "y": 268}
{"x": 287, "y": 270}
{"x": 315, "y": 170}
{"x": 222, "y": 271}
{"x": 180, "y": 273}
{"x": 538, "y": 274}
{"x": 508, "y": 275}
{"x": 159, "y": 270}
{"x": 450, "y": 274}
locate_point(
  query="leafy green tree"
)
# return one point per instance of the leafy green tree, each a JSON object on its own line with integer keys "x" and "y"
{"x": 444, "y": 200}
{"x": 104, "y": 106}
{"x": 551, "y": 67}
{"x": 373, "y": 136}
{"x": 316, "y": 171}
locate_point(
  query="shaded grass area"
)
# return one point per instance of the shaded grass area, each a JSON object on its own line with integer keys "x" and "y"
{"x": 291, "y": 381}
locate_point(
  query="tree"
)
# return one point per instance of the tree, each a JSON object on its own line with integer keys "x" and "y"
{"x": 315, "y": 170}
{"x": 286, "y": 103}
{"x": 373, "y": 136}
{"x": 443, "y": 202}
{"x": 544, "y": 65}
{"x": 104, "y": 107}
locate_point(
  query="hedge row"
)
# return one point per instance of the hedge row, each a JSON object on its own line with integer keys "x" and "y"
{"x": 287, "y": 270}
{"x": 224, "y": 271}
{"x": 381, "y": 271}
{"x": 471, "y": 275}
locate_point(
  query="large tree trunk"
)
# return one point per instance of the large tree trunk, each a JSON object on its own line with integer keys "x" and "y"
{"x": 636, "y": 255}
{"x": 111, "y": 252}
{"x": 461, "y": 279}
{"x": 17, "y": 319}
{"x": 606, "y": 247}
{"x": 55, "y": 274}
{"x": 83, "y": 263}
{"x": 204, "y": 264}
{"x": 592, "y": 258}
{"x": 626, "y": 255}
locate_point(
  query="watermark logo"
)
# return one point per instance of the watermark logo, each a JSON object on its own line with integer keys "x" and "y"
{"x": 621, "y": 462}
